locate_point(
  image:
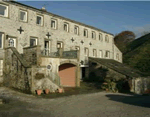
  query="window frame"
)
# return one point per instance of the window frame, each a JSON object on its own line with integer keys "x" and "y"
{"x": 1, "y": 67}
{"x": 86, "y": 52}
{"x": 67, "y": 24}
{"x": 7, "y": 11}
{"x": 55, "y": 24}
{"x": 77, "y": 32}
{"x": 93, "y": 35}
{"x": 100, "y": 37}
{"x": 2, "y": 41}
{"x": 86, "y": 32}
{"x": 36, "y": 41}
{"x": 15, "y": 41}
{"x": 21, "y": 10}
{"x": 77, "y": 47}
{"x": 42, "y": 20}
{"x": 107, "y": 54}
{"x": 61, "y": 45}
{"x": 106, "y": 38}
{"x": 100, "y": 53}
{"x": 94, "y": 53}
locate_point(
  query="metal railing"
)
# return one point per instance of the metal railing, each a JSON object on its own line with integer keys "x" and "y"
{"x": 64, "y": 54}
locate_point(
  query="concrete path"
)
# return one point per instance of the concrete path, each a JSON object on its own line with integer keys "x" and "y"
{"x": 88, "y": 105}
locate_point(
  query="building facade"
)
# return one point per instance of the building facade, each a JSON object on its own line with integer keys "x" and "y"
{"x": 23, "y": 26}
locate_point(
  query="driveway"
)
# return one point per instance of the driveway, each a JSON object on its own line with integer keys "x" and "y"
{"x": 88, "y": 105}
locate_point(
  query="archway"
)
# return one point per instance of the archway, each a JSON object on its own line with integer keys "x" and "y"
{"x": 67, "y": 74}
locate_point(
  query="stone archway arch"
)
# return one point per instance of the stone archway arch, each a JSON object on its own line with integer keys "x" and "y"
{"x": 68, "y": 73}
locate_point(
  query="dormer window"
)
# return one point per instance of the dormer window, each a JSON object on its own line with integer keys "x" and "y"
{"x": 93, "y": 35}
{"x": 3, "y": 10}
{"x": 66, "y": 27}
{"x": 39, "y": 20}
{"x": 53, "y": 24}
{"x": 23, "y": 16}
{"x": 76, "y": 30}
{"x": 85, "y": 33}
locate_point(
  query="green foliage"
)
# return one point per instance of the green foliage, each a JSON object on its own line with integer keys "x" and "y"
{"x": 138, "y": 55}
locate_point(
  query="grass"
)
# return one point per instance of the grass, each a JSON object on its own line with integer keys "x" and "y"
{"x": 85, "y": 88}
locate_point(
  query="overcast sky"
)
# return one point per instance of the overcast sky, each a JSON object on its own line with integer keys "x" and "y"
{"x": 112, "y": 17}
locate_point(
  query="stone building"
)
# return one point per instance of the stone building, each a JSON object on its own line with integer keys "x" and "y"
{"x": 55, "y": 44}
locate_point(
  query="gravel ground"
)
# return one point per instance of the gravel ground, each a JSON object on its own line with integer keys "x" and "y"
{"x": 88, "y": 105}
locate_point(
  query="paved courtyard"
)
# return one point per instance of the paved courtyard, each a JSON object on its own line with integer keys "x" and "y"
{"x": 88, "y": 105}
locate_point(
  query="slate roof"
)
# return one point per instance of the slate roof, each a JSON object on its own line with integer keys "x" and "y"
{"x": 118, "y": 67}
{"x": 33, "y": 8}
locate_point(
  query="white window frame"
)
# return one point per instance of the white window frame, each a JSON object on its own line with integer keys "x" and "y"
{"x": 94, "y": 53}
{"x": 59, "y": 45}
{"x": 35, "y": 41}
{"x": 77, "y": 47}
{"x": 55, "y": 24}
{"x": 67, "y": 30}
{"x": 107, "y": 39}
{"x": 6, "y": 11}
{"x": 10, "y": 39}
{"x": 2, "y": 40}
{"x": 1, "y": 67}
{"x": 26, "y": 15}
{"x": 101, "y": 54}
{"x": 86, "y": 51}
{"x": 107, "y": 54}
{"x": 93, "y": 35}
{"x": 41, "y": 20}
{"x": 100, "y": 37}
{"x": 77, "y": 30}
{"x": 86, "y": 33}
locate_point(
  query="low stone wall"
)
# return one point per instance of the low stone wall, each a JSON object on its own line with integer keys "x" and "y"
{"x": 17, "y": 73}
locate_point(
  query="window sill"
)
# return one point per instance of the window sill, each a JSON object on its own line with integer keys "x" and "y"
{"x": 4, "y": 16}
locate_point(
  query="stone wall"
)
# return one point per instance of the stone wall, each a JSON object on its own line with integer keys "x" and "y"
{"x": 140, "y": 85}
{"x": 9, "y": 26}
{"x": 17, "y": 73}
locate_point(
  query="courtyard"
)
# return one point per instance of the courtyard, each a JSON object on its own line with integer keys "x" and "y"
{"x": 99, "y": 104}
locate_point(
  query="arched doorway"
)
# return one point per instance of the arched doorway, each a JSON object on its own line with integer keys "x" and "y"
{"x": 67, "y": 74}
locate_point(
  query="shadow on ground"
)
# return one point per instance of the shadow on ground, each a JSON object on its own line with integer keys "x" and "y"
{"x": 137, "y": 100}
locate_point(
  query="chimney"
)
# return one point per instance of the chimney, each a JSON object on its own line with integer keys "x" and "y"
{"x": 43, "y": 9}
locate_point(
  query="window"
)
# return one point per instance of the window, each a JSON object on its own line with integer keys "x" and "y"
{"x": 1, "y": 67}
{"x": 94, "y": 52}
{"x": 117, "y": 56}
{"x": 47, "y": 47}
{"x": 76, "y": 30}
{"x": 106, "y": 39}
{"x": 59, "y": 45}
{"x": 107, "y": 54}
{"x": 1, "y": 40}
{"x": 85, "y": 33}
{"x": 23, "y": 15}
{"x": 39, "y": 20}
{"x": 100, "y": 37}
{"x": 33, "y": 41}
{"x": 12, "y": 42}
{"x": 3, "y": 10}
{"x": 101, "y": 54}
{"x": 77, "y": 48}
{"x": 86, "y": 51}
{"x": 53, "y": 24}
{"x": 93, "y": 35}
{"x": 66, "y": 27}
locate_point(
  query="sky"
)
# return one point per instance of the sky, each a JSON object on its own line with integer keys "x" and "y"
{"x": 110, "y": 16}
